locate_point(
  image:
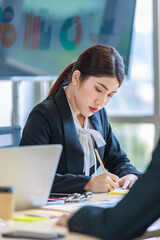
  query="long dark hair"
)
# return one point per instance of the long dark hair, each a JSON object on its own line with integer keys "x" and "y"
{"x": 99, "y": 60}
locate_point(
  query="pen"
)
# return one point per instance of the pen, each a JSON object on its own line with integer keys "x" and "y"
{"x": 74, "y": 196}
{"x": 87, "y": 193}
{"x": 77, "y": 197}
{"x": 100, "y": 161}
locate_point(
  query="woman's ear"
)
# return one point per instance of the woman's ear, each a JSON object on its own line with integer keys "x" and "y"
{"x": 76, "y": 78}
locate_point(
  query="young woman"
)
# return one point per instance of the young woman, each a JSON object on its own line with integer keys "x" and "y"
{"x": 74, "y": 115}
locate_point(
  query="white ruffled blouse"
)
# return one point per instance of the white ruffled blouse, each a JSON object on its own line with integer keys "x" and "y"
{"x": 88, "y": 136}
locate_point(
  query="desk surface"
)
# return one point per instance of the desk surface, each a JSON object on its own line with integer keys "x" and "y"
{"x": 49, "y": 226}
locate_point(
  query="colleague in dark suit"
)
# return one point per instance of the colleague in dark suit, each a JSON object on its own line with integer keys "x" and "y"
{"x": 130, "y": 217}
{"x": 73, "y": 115}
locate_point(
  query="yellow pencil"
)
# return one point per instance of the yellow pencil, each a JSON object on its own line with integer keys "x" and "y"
{"x": 100, "y": 161}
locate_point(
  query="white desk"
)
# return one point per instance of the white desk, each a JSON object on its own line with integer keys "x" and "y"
{"x": 49, "y": 226}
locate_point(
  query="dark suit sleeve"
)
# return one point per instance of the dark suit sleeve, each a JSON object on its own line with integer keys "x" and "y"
{"x": 132, "y": 215}
{"x": 115, "y": 159}
{"x": 37, "y": 131}
{"x": 69, "y": 183}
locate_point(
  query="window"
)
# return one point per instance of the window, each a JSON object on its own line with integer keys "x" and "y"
{"x": 131, "y": 111}
{"x": 6, "y": 103}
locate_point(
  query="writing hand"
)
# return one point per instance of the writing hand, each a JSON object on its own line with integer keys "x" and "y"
{"x": 102, "y": 183}
{"x": 127, "y": 181}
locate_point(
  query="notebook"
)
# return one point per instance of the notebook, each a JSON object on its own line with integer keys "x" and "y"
{"x": 31, "y": 171}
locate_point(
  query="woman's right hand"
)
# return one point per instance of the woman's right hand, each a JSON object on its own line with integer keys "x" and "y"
{"x": 103, "y": 183}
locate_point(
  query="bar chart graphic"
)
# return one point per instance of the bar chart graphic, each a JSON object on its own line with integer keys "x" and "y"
{"x": 37, "y": 35}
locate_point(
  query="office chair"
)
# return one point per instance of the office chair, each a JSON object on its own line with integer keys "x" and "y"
{"x": 10, "y": 136}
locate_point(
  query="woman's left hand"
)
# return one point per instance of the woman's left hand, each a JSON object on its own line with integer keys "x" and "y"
{"x": 127, "y": 181}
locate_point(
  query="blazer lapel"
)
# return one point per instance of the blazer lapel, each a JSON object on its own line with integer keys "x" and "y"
{"x": 72, "y": 147}
{"x": 96, "y": 121}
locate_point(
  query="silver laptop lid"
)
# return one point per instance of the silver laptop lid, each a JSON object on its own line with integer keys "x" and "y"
{"x": 31, "y": 170}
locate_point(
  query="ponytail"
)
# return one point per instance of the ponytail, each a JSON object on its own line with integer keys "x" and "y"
{"x": 99, "y": 60}
{"x": 65, "y": 76}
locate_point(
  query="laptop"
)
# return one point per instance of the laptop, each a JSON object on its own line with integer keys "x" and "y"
{"x": 31, "y": 171}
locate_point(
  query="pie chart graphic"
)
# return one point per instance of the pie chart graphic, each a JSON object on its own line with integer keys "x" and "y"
{"x": 71, "y": 44}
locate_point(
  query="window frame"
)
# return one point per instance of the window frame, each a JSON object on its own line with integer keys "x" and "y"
{"x": 155, "y": 118}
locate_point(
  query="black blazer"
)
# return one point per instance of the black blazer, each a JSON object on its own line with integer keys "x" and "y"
{"x": 51, "y": 122}
{"x": 132, "y": 215}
